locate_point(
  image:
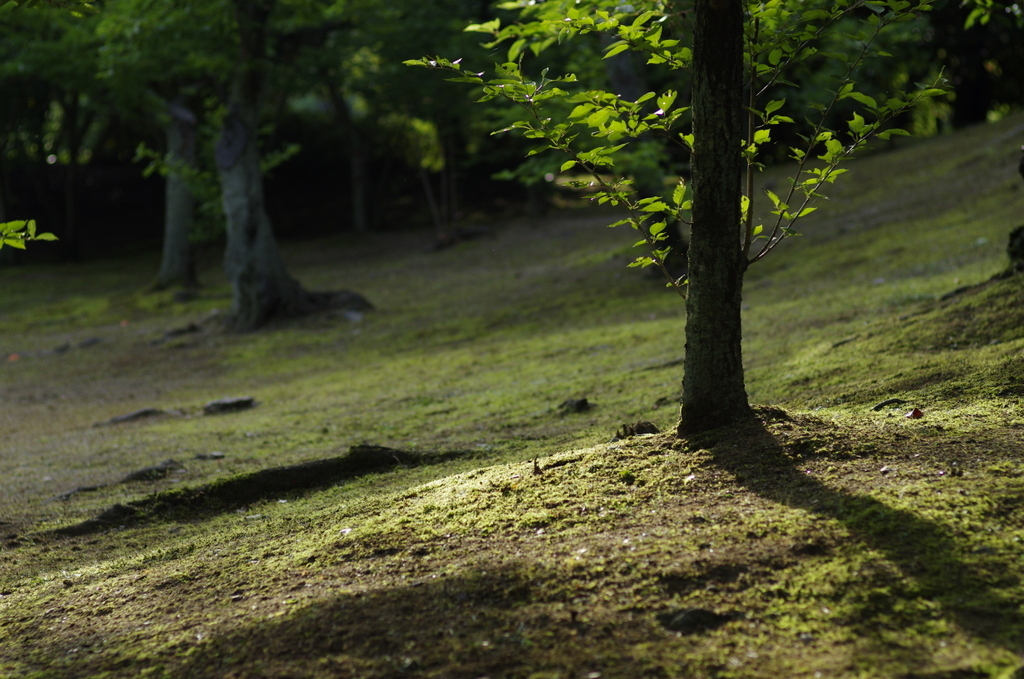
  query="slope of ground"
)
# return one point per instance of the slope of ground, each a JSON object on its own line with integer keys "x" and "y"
{"x": 830, "y": 540}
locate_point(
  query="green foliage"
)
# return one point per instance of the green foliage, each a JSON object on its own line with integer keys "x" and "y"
{"x": 984, "y": 10}
{"x": 592, "y": 127}
{"x": 15, "y": 234}
{"x": 76, "y": 7}
{"x": 201, "y": 178}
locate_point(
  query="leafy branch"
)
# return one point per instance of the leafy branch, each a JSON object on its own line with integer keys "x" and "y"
{"x": 809, "y": 180}
{"x": 16, "y": 234}
{"x": 778, "y": 39}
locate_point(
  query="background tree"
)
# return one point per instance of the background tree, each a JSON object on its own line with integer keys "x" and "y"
{"x": 160, "y": 61}
{"x": 49, "y": 56}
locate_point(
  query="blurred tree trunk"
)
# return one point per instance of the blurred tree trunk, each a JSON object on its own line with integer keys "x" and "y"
{"x": 72, "y": 241}
{"x": 713, "y": 390}
{"x": 6, "y": 254}
{"x": 178, "y": 263}
{"x": 358, "y": 159}
{"x": 262, "y": 286}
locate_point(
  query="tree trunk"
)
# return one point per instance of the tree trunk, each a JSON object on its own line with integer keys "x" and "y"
{"x": 358, "y": 163}
{"x": 358, "y": 159}
{"x": 6, "y": 254}
{"x": 262, "y": 287}
{"x": 72, "y": 239}
{"x": 178, "y": 262}
{"x": 713, "y": 391}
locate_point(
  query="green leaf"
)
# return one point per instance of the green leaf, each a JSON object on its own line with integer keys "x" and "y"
{"x": 567, "y": 165}
{"x": 893, "y": 131}
{"x": 666, "y": 100}
{"x": 599, "y": 117}
{"x": 834, "y": 147}
{"x": 581, "y": 111}
{"x": 488, "y": 27}
{"x": 862, "y": 98}
{"x": 616, "y": 48}
{"x": 678, "y": 193}
{"x": 516, "y": 49}
{"x": 856, "y": 124}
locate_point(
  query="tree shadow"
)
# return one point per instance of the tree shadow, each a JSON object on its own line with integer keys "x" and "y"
{"x": 934, "y": 567}
{"x": 488, "y": 620}
{"x": 510, "y": 617}
{"x": 227, "y": 494}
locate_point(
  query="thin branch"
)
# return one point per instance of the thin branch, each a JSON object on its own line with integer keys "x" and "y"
{"x": 777, "y": 233}
{"x": 748, "y": 230}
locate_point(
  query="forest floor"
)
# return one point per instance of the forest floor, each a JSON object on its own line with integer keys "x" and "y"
{"x": 409, "y": 497}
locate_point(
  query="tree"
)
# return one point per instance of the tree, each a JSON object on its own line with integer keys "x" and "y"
{"x": 160, "y": 61}
{"x": 713, "y": 389}
{"x": 178, "y": 263}
{"x": 733, "y": 48}
{"x": 16, "y": 234}
{"x": 262, "y": 286}
{"x": 229, "y": 49}
{"x": 53, "y": 53}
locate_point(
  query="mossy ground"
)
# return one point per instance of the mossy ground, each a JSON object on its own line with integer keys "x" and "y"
{"x": 831, "y": 539}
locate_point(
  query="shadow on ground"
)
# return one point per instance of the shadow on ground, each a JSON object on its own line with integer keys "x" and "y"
{"x": 472, "y": 613}
{"x": 235, "y": 491}
{"x": 931, "y": 564}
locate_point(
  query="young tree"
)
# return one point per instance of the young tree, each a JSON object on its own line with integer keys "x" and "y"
{"x": 736, "y": 51}
{"x": 713, "y": 389}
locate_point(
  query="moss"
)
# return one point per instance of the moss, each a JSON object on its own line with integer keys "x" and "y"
{"x": 830, "y": 539}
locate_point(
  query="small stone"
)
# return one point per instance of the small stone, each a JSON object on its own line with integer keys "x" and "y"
{"x": 140, "y": 414}
{"x": 637, "y": 429}
{"x": 575, "y": 405}
{"x": 215, "y": 455}
{"x": 157, "y": 471}
{"x": 229, "y": 405}
{"x": 693, "y": 620}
